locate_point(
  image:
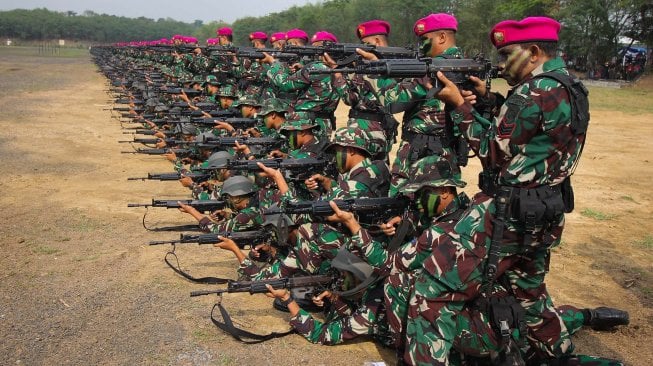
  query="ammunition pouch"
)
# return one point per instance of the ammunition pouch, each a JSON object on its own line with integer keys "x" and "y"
{"x": 422, "y": 145}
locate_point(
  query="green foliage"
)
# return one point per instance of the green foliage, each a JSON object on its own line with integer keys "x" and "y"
{"x": 597, "y": 215}
{"x": 645, "y": 243}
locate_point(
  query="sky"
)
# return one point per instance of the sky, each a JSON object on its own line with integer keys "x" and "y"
{"x": 186, "y": 11}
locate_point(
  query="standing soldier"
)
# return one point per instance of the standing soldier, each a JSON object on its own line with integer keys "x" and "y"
{"x": 424, "y": 128}
{"x": 360, "y": 92}
{"x": 316, "y": 99}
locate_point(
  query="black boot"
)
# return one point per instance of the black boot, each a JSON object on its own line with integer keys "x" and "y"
{"x": 604, "y": 318}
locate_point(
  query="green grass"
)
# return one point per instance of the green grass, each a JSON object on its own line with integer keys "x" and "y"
{"x": 609, "y": 99}
{"x": 645, "y": 243}
{"x": 34, "y": 51}
{"x": 629, "y": 199}
{"x": 597, "y": 215}
{"x": 203, "y": 335}
{"x": 44, "y": 249}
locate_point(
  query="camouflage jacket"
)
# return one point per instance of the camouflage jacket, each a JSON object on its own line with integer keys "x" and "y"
{"x": 314, "y": 92}
{"x": 530, "y": 142}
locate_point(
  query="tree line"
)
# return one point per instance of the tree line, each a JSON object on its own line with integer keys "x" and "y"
{"x": 591, "y": 28}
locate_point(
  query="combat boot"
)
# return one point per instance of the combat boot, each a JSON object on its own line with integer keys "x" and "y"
{"x": 604, "y": 318}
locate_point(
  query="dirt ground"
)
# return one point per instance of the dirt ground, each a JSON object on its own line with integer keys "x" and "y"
{"x": 80, "y": 285}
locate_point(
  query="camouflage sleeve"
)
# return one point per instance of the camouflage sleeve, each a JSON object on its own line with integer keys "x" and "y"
{"x": 372, "y": 251}
{"x": 247, "y": 219}
{"x": 347, "y": 189}
{"x": 280, "y": 77}
{"x": 361, "y": 322}
{"x": 404, "y": 91}
{"x": 283, "y": 268}
{"x": 344, "y": 90}
{"x": 412, "y": 254}
{"x": 247, "y": 270}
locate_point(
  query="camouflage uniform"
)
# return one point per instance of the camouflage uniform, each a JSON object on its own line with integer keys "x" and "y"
{"x": 424, "y": 120}
{"x": 316, "y": 98}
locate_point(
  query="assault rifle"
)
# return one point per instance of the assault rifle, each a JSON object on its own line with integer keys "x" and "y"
{"x": 345, "y": 53}
{"x": 249, "y": 141}
{"x": 303, "y": 286}
{"x": 181, "y": 153}
{"x": 189, "y": 91}
{"x": 197, "y": 177}
{"x": 199, "y": 205}
{"x": 144, "y": 131}
{"x": 370, "y": 210}
{"x": 298, "y": 168}
{"x": 456, "y": 70}
{"x": 242, "y": 238}
{"x": 140, "y": 140}
{"x": 239, "y": 123}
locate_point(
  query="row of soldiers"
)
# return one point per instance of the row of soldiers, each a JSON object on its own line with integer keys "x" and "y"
{"x": 445, "y": 279}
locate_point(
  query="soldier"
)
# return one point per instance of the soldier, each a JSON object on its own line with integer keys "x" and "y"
{"x": 278, "y": 40}
{"x": 534, "y": 145}
{"x": 361, "y": 94}
{"x": 316, "y": 99}
{"x": 424, "y": 128}
{"x": 357, "y": 310}
{"x": 296, "y": 37}
{"x": 240, "y": 194}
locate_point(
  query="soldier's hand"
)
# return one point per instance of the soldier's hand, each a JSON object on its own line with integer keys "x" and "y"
{"x": 268, "y": 59}
{"x": 186, "y": 181}
{"x": 221, "y": 125}
{"x": 390, "y": 227}
{"x": 319, "y": 299}
{"x": 480, "y": 87}
{"x": 329, "y": 61}
{"x": 281, "y": 293}
{"x": 184, "y": 207}
{"x": 160, "y": 135}
{"x": 296, "y": 66}
{"x": 244, "y": 149}
{"x": 277, "y": 154}
{"x": 160, "y": 144}
{"x": 252, "y": 131}
{"x": 269, "y": 172}
{"x": 367, "y": 55}
{"x": 171, "y": 156}
{"x": 344, "y": 217}
{"x": 449, "y": 93}
{"x": 226, "y": 244}
{"x": 256, "y": 251}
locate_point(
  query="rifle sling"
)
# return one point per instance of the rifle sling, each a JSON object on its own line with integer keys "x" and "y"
{"x": 207, "y": 280}
{"x": 239, "y": 334}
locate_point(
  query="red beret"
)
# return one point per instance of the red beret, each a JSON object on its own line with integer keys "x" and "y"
{"x": 277, "y": 36}
{"x": 373, "y": 28}
{"x": 531, "y": 29}
{"x": 297, "y": 33}
{"x": 433, "y": 22}
{"x": 323, "y": 36}
{"x": 258, "y": 35}
{"x": 226, "y": 31}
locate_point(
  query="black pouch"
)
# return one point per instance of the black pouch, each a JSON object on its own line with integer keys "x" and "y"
{"x": 567, "y": 192}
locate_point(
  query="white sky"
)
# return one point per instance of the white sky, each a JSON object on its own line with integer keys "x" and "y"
{"x": 186, "y": 11}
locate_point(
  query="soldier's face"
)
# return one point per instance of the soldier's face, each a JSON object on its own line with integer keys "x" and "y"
{"x": 514, "y": 62}
{"x": 226, "y": 102}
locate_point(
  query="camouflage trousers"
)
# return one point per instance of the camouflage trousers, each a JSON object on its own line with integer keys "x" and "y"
{"x": 437, "y": 311}
{"x": 317, "y": 244}
{"x": 407, "y": 154}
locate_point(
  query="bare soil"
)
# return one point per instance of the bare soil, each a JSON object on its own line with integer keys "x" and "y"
{"x": 80, "y": 285}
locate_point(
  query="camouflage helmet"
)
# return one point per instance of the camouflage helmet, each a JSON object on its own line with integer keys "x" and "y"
{"x": 295, "y": 122}
{"x": 247, "y": 100}
{"x": 238, "y": 186}
{"x": 273, "y": 105}
{"x": 347, "y": 261}
{"x": 352, "y": 136}
{"x": 211, "y": 80}
{"x": 218, "y": 160}
{"x": 227, "y": 90}
{"x": 197, "y": 79}
{"x": 433, "y": 171}
{"x": 160, "y": 107}
{"x": 188, "y": 129}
